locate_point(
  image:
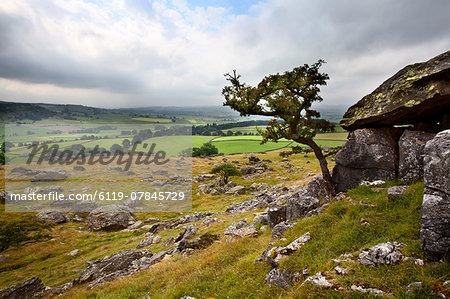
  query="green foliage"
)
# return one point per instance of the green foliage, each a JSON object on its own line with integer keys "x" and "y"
{"x": 225, "y": 171}
{"x": 207, "y": 149}
{"x": 2, "y": 158}
{"x": 288, "y": 96}
{"x": 17, "y": 232}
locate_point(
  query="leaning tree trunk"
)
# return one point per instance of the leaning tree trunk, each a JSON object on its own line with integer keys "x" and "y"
{"x": 323, "y": 164}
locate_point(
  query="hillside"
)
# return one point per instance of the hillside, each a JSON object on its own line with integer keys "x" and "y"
{"x": 341, "y": 230}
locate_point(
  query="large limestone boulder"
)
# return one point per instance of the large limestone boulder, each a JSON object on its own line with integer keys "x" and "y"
{"x": 368, "y": 155}
{"x": 110, "y": 218}
{"x": 419, "y": 93}
{"x": 32, "y": 288}
{"x": 435, "y": 230}
{"x": 411, "y": 151}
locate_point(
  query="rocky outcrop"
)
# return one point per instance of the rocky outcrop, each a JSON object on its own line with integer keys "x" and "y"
{"x": 411, "y": 152}
{"x": 32, "y": 288}
{"x": 123, "y": 263}
{"x": 110, "y": 218}
{"x": 417, "y": 94}
{"x": 282, "y": 279}
{"x": 368, "y": 155}
{"x": 435, "y": 230}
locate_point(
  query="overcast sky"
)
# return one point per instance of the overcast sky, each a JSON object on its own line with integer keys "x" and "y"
{"x": 118, "y": 53}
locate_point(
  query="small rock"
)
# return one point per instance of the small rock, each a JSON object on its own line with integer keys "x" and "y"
{"x": 396, "y": 192}
{"x": 135, "y": 225}
{"x": 51, "y": 215}
{"x": 318, "y": 280}
{"x": 341, "y": 271}
{"x": 374, "y": 291}
{"x": 364, "y": 222}
{"x": 157, "y": 239}
{"x": 152, "y": 220}
{"x": 145, "y": 243}
{"x": 74, "y": 252}
{"x": 169, "y": 241}
{"x": 373, "y": 183}
{"x": 413, "y": 287}
{"x": 79, "y": 168}
{"x": 384, "y": 253}
{"x": 282, "y": 279}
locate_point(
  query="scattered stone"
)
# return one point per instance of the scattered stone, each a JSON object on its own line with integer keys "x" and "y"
{"x": 50, "y": 215}
{"x": 318, "y": 188}
{"x": 239, "y": 230}
{"x": 253, "y": 159}
{"x": 157, "y": 239}
{"x": 74, "y": 252}
{"x": 414, "y": 287}
{"x": 318, "y": 280}
{"x": 188, "y": 233}
{"x": 435, "y": 230}
{"x": 396, "y": 192}
{"x": 169, "y": 241}
{"x": 259, "y": 186}
{"x": 128, "y": 173}
{"x": 152, "y": 220}
{"x": 204, "y": 241}
{"x": 384, "y": 253}
{"x": 110, "y": 218}
{"x": 279, "y": 229}
{"x": 23, "y": 171}
{"x": 341, "y": 271}
{"x": 374, "y": 291}
{"x": 299, "y": 205}
{"x": 145, "y": 243}
{"x": 116, "y": 168}
{"x": 373, "y": 183}
{"x": 53, "y": 174}
{"x": 79, "y": 168}
{"x": 238, "y": 190}
{"x": 276, "y": 254}
{"x": 364, "y": 222}
{"x": 84, "y": 206}
{"x": 135, "y": 225}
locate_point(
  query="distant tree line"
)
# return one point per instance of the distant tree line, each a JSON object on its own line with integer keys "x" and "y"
{"x": 218, "y": 129}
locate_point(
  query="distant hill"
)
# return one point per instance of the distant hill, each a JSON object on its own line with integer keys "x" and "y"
{"x": 12, "y": 111}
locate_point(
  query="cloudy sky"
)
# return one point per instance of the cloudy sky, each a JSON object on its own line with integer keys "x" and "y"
{"x": 120, "y": 53}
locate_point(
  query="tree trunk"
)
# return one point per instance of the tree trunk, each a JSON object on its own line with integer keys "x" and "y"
{"x": 323, "y": 164}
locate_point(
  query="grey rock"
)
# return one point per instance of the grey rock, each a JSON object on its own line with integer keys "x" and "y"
{"x": 411, "y": 154}
{"x": 299, "y": 205}
{"x": 152, "y": 220}
{"x": 74, "y": 252}
{"x": 32, "y": 288}
{"x": 84, "y": 206}
{"x": 248, "y": 170}
{"x": 52, "y": 215}
{"x": 414, "y": 287}
{"x": 23, "y": 171}
{"x": 435, "y": 225}
{"x": 396, "y": 192}
{"x": 341, "y": 271}
{"x": 368, "y": 155}
{"x": 238, "y": 190}
{"x": 189, "y": 232}
{"x": 123, "y": 263}
{"x": 53, "y": 174}
{"x": 145, "y": 243}
{"x": 276, "y": 215}
{"x": 169, "y": 241}
{"x": 252, "y": 159}
{"x": 110, "y": 218}
{"x": 239, "y": 230}
{"x": 275, "y": 254}
{"x": 282, "y": 279}
{"x": 259, "y": 186}
{"x": 317, "y": 188}
{"x": 79, "y": 168}
{"x": 374, "y": 291}
{"x": 157, "y": 239}
{"x": 384, "y": 253}
{"x": 279, "y": 230}
{"x": 318, "y": 280}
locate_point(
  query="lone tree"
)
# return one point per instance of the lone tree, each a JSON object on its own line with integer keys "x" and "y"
{"x": 288, "y": 97}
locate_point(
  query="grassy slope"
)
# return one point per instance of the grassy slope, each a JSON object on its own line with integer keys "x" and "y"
{"x": 228, "y": 269}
